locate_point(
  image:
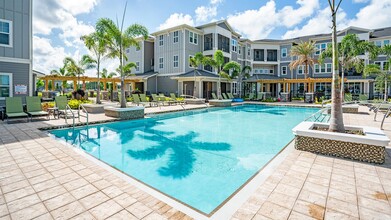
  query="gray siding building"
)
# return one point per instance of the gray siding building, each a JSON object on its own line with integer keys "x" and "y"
{"x": 16, "y": 77}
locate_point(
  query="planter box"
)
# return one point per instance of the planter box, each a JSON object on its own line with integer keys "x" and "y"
{"x": 94, "y": 108}
{"x": 352, "y": 109}
{"x": 367, "y": 148}
{"x": 195, "y": 101}
{"x": 125, "y": 113}
{"x": 220, "y": 103}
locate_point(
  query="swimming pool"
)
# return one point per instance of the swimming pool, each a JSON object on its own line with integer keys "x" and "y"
{"x": 197, "y": 157}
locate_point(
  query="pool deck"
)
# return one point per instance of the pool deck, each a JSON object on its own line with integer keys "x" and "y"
{"x": 41, "y": 178}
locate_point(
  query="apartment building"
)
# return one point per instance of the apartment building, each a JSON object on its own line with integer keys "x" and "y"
{"x": 164, "y": 60}
{"x": 16, "y": 76}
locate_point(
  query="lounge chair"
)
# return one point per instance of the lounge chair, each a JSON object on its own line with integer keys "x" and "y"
{"x": 224, "y": 96}
{"x": 167, "y": 100}
{"x": 260, "y": 96}
{"x": 61, "y": 103}
{"x": 14, "y": 108}
{"x": 34, "y": 107}
{"x": 214, "y": 96}
{"x": 250, "y": 96}
{"x": 137, "y": 101}
{"x": 157, "y": 100}
{"x": 175, "y": 99}
{"x": 144, "y": 100}
{"x": 348, "y": 98}
{"x": 230, "y": 96}
{"x": 363, "y": 99}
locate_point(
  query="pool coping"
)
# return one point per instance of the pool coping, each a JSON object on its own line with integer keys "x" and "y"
{"x": 187, "y": 209}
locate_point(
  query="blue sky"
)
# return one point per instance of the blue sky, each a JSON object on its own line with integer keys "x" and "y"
{"x": 59, "y": 24}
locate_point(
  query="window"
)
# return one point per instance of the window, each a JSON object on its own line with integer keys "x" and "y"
{"x": 385, "y": 65}
{"x": 378, "y": 63}
{"x": 300, "y": 70}
{"x": 284, "y": 52}
{"x": 235, "y": 88}
{"x": 386, "y": 42}
{"x": 193, "y": 37}
{"x": 176, "y": 36}
{"x": 325, "y": 68}
{"x": 128, "y": 50}
{"x": 320, "y": 48}
{"x": 271, "y": 71}
{"x": 249, "y": 51}
{"x": 378, "y": 43}
{"x": 284, "y": 70}
{"x": 239, "y": 50}
{"x": 161, "y": 63}
{"x": 234, "y": 45}
{"x": 176, "y": 61}
{"x": 189, "y": 61}
{"x": 137, "y": 66}
{"x": 5, "y": 85}
{"x": 161, "y": 42}
{"x": 5, "y": 33}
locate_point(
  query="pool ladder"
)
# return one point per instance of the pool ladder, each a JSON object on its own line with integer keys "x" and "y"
{"x": 81, "y": 108}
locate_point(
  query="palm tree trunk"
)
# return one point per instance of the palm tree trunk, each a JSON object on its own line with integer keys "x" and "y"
{"x": 219, "y": 85}
{"x": 336, "y": 120}
{"x": 123, "y": 98}
{"x": 98, "y": 90}
{"x": 385, "y": 89}
{"x": 194, "y": 89}
{"x": 342, "y": 83}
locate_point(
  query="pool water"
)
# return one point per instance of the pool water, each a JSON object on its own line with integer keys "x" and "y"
{"x": 197, "y": 157}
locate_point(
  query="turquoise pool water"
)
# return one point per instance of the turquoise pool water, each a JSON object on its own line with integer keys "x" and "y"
{"x": 197, "y": 157}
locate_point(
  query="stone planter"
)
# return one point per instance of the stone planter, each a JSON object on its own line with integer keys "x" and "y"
{"x": 352, "y": 109}
{"x": 94, "y": 108}
{"x": 369, "y": 147}
{"x": 220, "y": 103}
{"x": 195, "y": 101}
{"x": 125, "y": 113}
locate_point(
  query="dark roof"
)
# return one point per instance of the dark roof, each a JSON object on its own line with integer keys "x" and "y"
{"x": 256, "y": 77}
{"x": 144, "y": 75}
{"x": 359, "y": 77}
{"x": 199, "y": 73}
{"x": 381, "y": 32}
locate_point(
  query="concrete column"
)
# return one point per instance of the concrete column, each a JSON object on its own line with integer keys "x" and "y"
{"x": 259, "y": 87}
{"x": 268, "y": 87}
{"x": 278, "y": 88}
{"x": 180, "y": 88}
{"x": 200, "y": 90}
{"x": 46, "y": 85}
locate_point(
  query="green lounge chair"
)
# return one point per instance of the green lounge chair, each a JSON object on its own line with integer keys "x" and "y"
{"x": 348, "y": 98}
{"x": 165, "y": 99}
{"x": 157, "y": 100}
{"x": 224, "y": 96}
{"x": 214, "y": 96}
{"x": 363, "y": 99}
{"x": 34, "y": 107}
{"x": 174, "y": 98}
{"x": 250, "y": 96}
{"x": 136, "y": 100}
{"x": 14, "y": 108}
{"x": 144, "y": 100}
{"x": 230, "y": 96}
{"x": 61, "y": 103}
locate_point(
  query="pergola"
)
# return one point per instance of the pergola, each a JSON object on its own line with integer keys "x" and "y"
{"x": 286, "y": 83}
{"x": 128, "y": 80}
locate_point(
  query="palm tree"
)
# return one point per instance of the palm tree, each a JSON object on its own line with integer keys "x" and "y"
{"x": 195, "y": 62}
{"x": 304, "y": 52}
{"x": 217, "y": 62}
{"x": 336, "y": 119}
{"x": 349, "y": 51}
{"x": 107, "y": 75}
{"x": 96, "y": 43}
{"x": 78, "y": 68}
{"x": 62, "y": 71}
{"x": 244, "y": 74}
{"x": 118, "y": 39}
{"x": 382, "y": 76}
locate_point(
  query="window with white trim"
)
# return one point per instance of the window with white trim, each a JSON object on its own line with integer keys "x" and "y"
{"x": 300, "y": 70}
{"x": 190, "y": 57}
{"x": 284, "y": 52}
{"x": 324, "y": 68}
{"x": 161, "y": 63}
{"x": 137, "y": 66}
{"x": 240, "y": 49}
{"x": 161, "y": 40}
{"x": 193, "y": 37}
{"x": 284, "y": 70}
{"x": 128, "y": 50}
{"x": 5, "y": 33}
{"x": 5, "y": 85}
{"x": 176, "y": 61}
{"x": 249, "y": 51}
{"x": 234, "y": 45}
{"x": 176, "y": 37}
{"x": 320, "y": 48}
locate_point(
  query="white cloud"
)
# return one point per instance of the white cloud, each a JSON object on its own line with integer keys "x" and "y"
{"x": 320, "y": 24}
{"x": 360, "y": 1}
{"x": 79, "y": 6}
{"x": 205, "y": 13}
{"x": 260, "y": 23}
{"x": 46, "y": 57}
{"x": 375, "y": 15}
{"x": 177, "y": 19}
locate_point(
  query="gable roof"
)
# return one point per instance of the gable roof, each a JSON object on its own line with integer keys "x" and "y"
{"x": 198, "y": 73}
{"x": 218, "y": 23}
{"x": 381, "y": 32}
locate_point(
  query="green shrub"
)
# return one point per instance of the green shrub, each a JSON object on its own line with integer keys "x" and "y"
{"x": 46, "y": 105}
{"x": 74, "y": 103}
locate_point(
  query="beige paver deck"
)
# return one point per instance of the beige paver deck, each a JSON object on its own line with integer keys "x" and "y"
{"x": 43, "y": 179}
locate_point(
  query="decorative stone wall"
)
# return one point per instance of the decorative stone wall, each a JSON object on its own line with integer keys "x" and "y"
{"x": 94, "y": 108}
{"x": 125, "y": 113}
{"x": 355, "y": 151}
{"x": 220, "y": 103}
{"x": 347, "y": 109}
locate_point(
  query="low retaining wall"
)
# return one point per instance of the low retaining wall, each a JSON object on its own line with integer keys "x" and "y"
{"x": 220, "y": 103}
{"x": 356, "y": 151}
{"x": 125, "y": 113}
{"x": 94, "y": 108}
{"x": 352, "y": 109}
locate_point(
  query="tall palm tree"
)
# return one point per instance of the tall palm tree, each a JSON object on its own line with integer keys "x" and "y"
{"x": 118, "y": 39}
{"x": 96, "y": 43}
{"x": 62, "y": 71}
{"x": 217, "y": 62}
{"x": 195, "y": 62}
{"x": 245, "y": 74}
{"x": 78, "y": 68}
{"x": 349, "y": 51}
{"x": 304, "y": 52}
{"x": 336, "y": 119}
